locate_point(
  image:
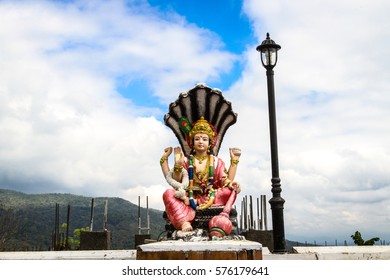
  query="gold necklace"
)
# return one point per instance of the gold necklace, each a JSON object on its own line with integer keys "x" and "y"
{"x": 201, "y": 158}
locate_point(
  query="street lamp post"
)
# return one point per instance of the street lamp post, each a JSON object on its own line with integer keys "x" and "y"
{"x": 269, "y": 56}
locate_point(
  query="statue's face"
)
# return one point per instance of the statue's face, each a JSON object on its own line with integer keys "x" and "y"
{"x": 201, "y": 142}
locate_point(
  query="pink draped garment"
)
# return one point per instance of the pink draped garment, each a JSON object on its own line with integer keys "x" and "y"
{"x": 178, "y": 212}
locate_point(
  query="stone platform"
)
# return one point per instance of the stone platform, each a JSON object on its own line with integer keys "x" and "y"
{"x": 201, "y": 250}
{"x": 300, "y": 253}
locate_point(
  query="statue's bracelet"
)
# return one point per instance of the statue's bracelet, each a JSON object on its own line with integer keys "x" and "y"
{"x": 178, "y": 169}
{"x": 163, "y": 159}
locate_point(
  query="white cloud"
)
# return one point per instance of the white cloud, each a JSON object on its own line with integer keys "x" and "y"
{"x": 64, "y": 126}
{"x": 331, "y": 85}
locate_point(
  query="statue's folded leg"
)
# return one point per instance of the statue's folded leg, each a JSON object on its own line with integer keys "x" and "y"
{"x": 222, "y": 196}
{"x": 177, "y": 211}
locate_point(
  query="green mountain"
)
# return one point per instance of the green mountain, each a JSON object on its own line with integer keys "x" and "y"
{"x": 29, "y": 220}
{"x": 33, "y": 219}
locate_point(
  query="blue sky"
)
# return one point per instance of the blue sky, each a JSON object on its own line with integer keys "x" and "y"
{"x": 224, "y": 19}
{"x": 84, "y": 87}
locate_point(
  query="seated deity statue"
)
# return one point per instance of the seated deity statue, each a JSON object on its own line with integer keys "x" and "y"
{"x": 199, "y": 178}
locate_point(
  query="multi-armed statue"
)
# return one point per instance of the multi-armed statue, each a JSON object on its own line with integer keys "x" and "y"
{"x": 199, "y": 179}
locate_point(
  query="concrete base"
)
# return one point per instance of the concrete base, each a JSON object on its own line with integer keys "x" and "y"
{"x": 202, "y": 250}
{"x": 95, "y": 240}
{"x": 265, "y": 237}
{"x": 70, "y": 255}
{"x": 302, "y": 253}
{"x": 140, "y": 239}
{"x": 345, "y": 252}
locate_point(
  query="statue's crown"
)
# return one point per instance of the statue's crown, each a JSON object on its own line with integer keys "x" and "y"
{"x": 202, "y": 126}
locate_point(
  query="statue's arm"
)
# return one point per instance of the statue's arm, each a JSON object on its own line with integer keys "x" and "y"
{"x": 179, "y": 162}
{"x": 235, "y": 154}
{"x": 164, "y": 161}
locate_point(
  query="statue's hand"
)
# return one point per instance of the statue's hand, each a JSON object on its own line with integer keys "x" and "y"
{"x": 179, "y": 156}
{"x": 236, "y": 186}
{"x": 235, "y": 153}
{"x": 167, "y": 152}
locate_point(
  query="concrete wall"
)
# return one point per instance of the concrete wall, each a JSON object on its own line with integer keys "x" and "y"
{"x": 302, "y": 253}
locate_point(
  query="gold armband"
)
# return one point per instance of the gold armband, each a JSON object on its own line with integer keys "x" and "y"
{"x": 234, "y": 161}
{"x": 163, "y": 159}
{"x": 178, "y": 169}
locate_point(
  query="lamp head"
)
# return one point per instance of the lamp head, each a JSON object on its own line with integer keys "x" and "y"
{"x": 268, "y": 52}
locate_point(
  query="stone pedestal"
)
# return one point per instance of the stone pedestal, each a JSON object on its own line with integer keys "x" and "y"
{"x": 202, "y": 250}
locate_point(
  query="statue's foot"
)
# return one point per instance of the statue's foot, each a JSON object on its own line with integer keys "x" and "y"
{"x": 186, "y": 227}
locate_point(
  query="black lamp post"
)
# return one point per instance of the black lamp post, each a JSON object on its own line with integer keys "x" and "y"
{"x": 269, "y": 56}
